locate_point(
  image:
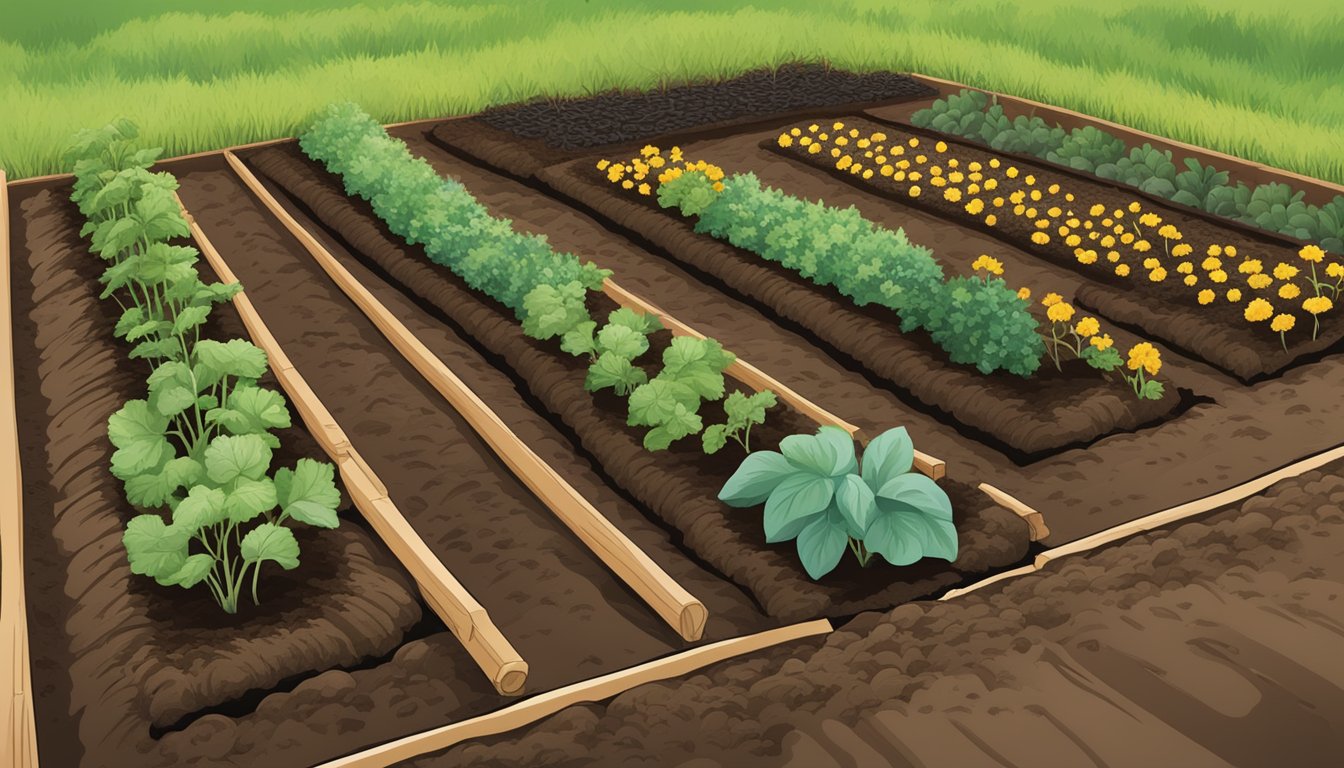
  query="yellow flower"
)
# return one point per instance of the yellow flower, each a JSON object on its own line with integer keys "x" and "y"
{"x": 1230, "y": 251}
{"x": 1040, "y": 238}
{"x": 1144, "y": 355}
{"x": 994, "y": 162}
{"x": 1191, "y": 280}
{"x": 853, "y": 133}
{"x": 813, "y": 149}
{"x": 940, "y": 147}
{"x": 657, "y": 161}
{"x": 841, "y": 141}
{"x": 1285, "y": 272}
{"x": 1112, "y": 256}
{"x": 914, "y": 142}
{"x": 644, "y": 189}
{"x": 1182, "y": 249}
{"x": 1215, "y": 250}
{"x": 1024, "y": 293}
{"x": 1185, "y": 267}
{"x": 1060, "y": 313}
{"x": 1250, "y": 267}
{"x": 1258, "y": 310}
{"x": 868, "y": 174}
{"x": 718, "y": 186}
{"x": 1097, "y": 210}
{"x": 1107, "y": 241}
{"x": 975, "y": 206}
{"x": 1042, "y": 223}
{"x": 602, "y": 164}
{"x": 987, "y": 264}
{"x": 627, "y": 184}
{"x": 1234, "y": 295}
{"x": 1051, "y": 299}
{"x": 1122, "y": 270}
{"x": 1030, "y": 180}
{"x": 1335, "y": 269}
{"x": 1318, "y": 304}
{"x": 1072, "y": 240}
{"x": 1127, "y": 238}
{"x": 812, "y": 128}
{"x": 649, "y": 150}
{"x": 952, "y": 195}
{"x": 1086, "y": 257}
{"x": 1289, "y": 291}
{"x": 991, "y": 185}
{"x": 835, "y": 152}
{"x": 956, "y": 177}
{"x": 1143, "y": 246}
{"x": 991, "y": 220}
{"x": 887, "y": 170}
{"x": 863, "y": 143}
{"x": 1211, "y": 263}
{"x": 1259, "y": 281}
{"x": 1206, "y": 296}
{"x": 1169, "y": 232}
{"x": 1011, "y": 172}
{"x": 1218, "y": 276}
{"x": 938, "y": 181}
{"x": 1157, "y": 275}
{"x": 1035, "y": 195}
{"x": 1151, "y": 263}
{"x": 1102, "y": 342}
{"x": 1282, "y": 323}
{"x": 921, "y": 158}
{"x": 1087, "y": 327}
{"x": 839, "y": 126}
{"x": 844, "y": 162}
{"x": 796, "y": 131}
{"x": 914, "y": 191}
{"x": 675, "y": 155}
{"x": 785, "y": 140}
{"x": 1312, "y": 253}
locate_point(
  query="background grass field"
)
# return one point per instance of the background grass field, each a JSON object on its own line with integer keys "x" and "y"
{"x": 1263, "y": 81}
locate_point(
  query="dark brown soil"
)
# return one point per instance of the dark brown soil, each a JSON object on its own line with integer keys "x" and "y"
{"x": 119, "y": 649}
{"x": 1212, "y": 643}
{"x": 1027, "y": 419}
{"x": 678, "y": 485}
{"x": 617, "y": 117}
{"x": 1216, "y": 333}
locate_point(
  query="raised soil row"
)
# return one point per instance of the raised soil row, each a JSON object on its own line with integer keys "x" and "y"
{"x": 677, "y": 485}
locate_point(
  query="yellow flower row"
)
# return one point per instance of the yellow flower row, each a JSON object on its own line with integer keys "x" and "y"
{"x": 635, "y": 174}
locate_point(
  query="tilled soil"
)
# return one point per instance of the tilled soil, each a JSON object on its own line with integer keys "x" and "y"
{"x": 1211, "y": 643}
{"x": 614, "y": 117}
{"x": 1027, "y": 419}
{"x": 1168, "y": 310}
{"x": 676, "y": 486}
{"x": 118, "y": 649}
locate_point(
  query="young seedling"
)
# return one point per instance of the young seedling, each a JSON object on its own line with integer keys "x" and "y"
{"x": 743, "y": 412}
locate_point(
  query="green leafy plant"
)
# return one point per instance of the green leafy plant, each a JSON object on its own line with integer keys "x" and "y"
{"x": 1086, "y": 148}
{"x": 200, "y": 443}
{"x": 815, "y": 492}
{"x": 613, "y": 349}
{"x": 670, "y": 403}
{"x": 742, "y": 412}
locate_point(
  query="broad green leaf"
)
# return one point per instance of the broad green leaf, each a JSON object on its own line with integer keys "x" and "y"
{"x": 756, "y": 477}
{"x": 1152, "y": 390}
{"x": 822, "y": 542}
{"x": 643, "y": 324}
{"x": 889, "y": 455}
{"x": 130, "y": 319}
{"x": 913, "y": 520}
{"x": 230, "y": 457}
{"x": 682, "y": 423}
{"x": 203, "y": 506}
{"x": 550, "y": 311}
{"x": 159, "y": 216}
{"x": 150, "y": 327}
{"x": 793, "y": 502}
{"x": 1104, "y": 360}
{"x": 152, "y": 489}
{"x": 269, "y": 541}
{"x": 115, "y": 236}
{"x": 161, "y": 348}
{"x": 611, "y": 370}
{"x": 687, "y": 352}
{"x": 308, "y": 493}
{"x": 235, "y": 357}
{"x": 578, "y": 341}
{"x": 189, "y": 318}
{"x": 856, "y": 503}
{"x": 704, "y": 381}
{"x": 829, "y": 452}
{"x": 250, "y": 498}
{"x": 714, "y": 438}
{"x": 654, "y": 403}
{"x": 137, "y": 431}
{"x": 251, "y": 410}
{"x": 192, "y": 572}
{"x": 154, "y": 549}
{"x": 622, "y": 341}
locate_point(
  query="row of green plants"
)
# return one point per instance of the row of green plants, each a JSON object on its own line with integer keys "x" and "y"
{"x": 977, "y": 321}
{"x": 199, "y": 446}
{"x": 548, "y": 291}
{"x": 812, "y": 489}
{"x": 1273, "y": 206}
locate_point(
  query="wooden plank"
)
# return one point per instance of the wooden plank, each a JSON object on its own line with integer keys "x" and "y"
{"x": 758, "y": 380}
{"x": 1135, "y": 135}
{"x": 1034, "y": 519}
{"x": 19, "y": 748}
{"x": 462, "y": 614}
{"x": 597, "y": 689}
{"x": 670, "y": 600}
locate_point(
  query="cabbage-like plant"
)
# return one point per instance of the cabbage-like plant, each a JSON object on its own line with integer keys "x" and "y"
{"x": 814, "y": 491}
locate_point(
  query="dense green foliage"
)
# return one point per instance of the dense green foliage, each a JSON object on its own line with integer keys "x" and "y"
{"x": 201, "y": 443}
{"x": 1221, "y": 73}
{"x": 1274, "y": 207}
{"x": 815, "y": 492}
{"x": 978, "y": 322}
{"x": 439, "y": 214}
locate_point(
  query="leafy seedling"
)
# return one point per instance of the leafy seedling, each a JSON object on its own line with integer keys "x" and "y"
{"x": 742, "y": 413}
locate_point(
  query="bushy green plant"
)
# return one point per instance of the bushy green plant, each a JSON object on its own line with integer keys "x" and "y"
{"x": 670, "y": 403}
{"x": 959, "y": 114}
{"x": 1148, "y": 168}
{"x": 741, "y": 413}
{"x": 613, "y": 350}
{"x": 838, "y": 247}
{"x": 439, "y": 214}
{"x": 1197, "y": 186}
{"x": 814, "y": 491}
{"x": 201, "y": 442}
{"x": 1086, "y": 148}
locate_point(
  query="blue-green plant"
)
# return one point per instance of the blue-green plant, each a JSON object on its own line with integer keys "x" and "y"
{"x": 814, "y": 491}
{"x": 200, "y": 444}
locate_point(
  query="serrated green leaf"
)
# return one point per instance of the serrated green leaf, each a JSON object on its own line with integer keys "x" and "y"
{"x": 137, "y": 431}
{"x": 550, "y": 311}
{"x": 269, "y": 541}
{"x": 167, "y": 349}
{"x": 622, "y": 341}
{"x": 251, "y": 410}
{"x": 643, "y": 324}
{"x": 235, "y": 357}
{"x": 196, "y": 568}
{"x": 611, "y": 370}
{"x": 152, "y": 489}
{"x": 154, "y": 549}
{"x": 681, "y": 423}
{"x": 203, "y": 506}
{"x": 132, "y": 318}
{"x": 250, "y": 498}
{"x": 189, "y": 318}
{"x": 652, "y": 404}
{"x": 230, "y": 457}
{"x": 1152, "y": 390}
{"x": 714, "y": 438}
{"x": 578, "y": 341}
{"x": 308, "y": 493}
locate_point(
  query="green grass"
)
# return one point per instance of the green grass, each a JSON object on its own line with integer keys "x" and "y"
{"x": 1261, "y": 82}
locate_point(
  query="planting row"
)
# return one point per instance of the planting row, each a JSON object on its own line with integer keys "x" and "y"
{"x": 1255, "y": 305}
{"x": 1273, "y": 207}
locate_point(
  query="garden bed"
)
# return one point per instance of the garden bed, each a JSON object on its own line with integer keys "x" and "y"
{"x": 1026, "y": 419}
{"x": 1168, "y": 310}
{"x": 675, "y": 485}
{"x": 128, "y": 653}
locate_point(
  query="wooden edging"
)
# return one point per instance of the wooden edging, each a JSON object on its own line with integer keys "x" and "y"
{"x": 599, "y": 688}
{"x": 1034, "y": 519}
{"x": 758, "y": 380}
{"x": 20, "y": 730}
{"x": 1159, "y": 519}
{"x": 686, "y": 614}
{"x": 1134, "y": 134}
{"x": 467, "y": 619}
